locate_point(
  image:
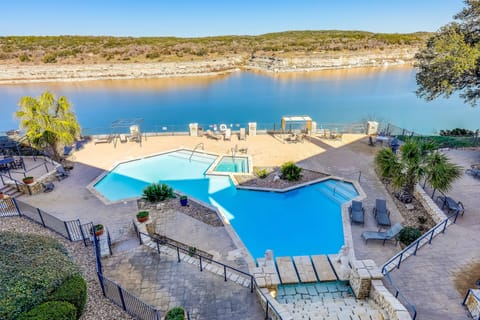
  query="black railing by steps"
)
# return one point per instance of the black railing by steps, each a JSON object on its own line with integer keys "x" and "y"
{"x": 269, "y": 308}
{"x": 412, "y": 249}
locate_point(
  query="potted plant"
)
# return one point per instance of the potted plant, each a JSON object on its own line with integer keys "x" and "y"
{"x": 142, "y": 216}
{"x": 183, "y": 200}
{"x": 1, "y": 195}
{"x": 176, "y": 313}
{"x": 28, "y": 180}
{"x": 98, "y": 228}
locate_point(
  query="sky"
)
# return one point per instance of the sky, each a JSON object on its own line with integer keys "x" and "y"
{"x": 198, "y": 18}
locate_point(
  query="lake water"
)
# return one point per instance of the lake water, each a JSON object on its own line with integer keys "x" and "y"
{"x": 336, "y": 96}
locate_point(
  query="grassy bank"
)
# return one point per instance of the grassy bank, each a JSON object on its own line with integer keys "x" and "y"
{"x": 89, "y": 49}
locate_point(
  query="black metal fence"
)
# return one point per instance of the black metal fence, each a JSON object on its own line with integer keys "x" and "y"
{"x": 270, "y": 311}
{"x": 121, "y": 297}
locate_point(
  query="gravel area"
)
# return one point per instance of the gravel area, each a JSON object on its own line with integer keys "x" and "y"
{"x": 98, "y": 307}
{"x": 271, "y": 182}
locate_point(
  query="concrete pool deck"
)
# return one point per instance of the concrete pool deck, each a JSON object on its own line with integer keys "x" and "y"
{"x": 350, "y": 158}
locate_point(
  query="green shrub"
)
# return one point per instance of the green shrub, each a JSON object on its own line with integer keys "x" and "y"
{"x": 261, "y": 173}
{"x": 49, "y": 58}
{"x": 23, "y": 58}
{"x": 291, "y": 171}
{"x": 32, "y": 267}
{"x": 52, "y": 310}
{"x": 74, "y": 291}
{"x": 408, "y": 235}
{"x": 176, "y": 313}
{"x": 157, "y": 192}
{"x": 142, "y": 214}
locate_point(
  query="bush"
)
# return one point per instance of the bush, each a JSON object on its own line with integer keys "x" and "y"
{"x": 33, "y": 266}
{"x": 291, "y": 171}
{"x": 261, "y": 173}
{"x": 157, "y": 192}
{"x": 53, "y": 310}
{"x": 74, "y": 291}
{"x": 176, "y": 313}
{"x": 49, "y": 58}
{"x": 408, "y": 235}
{"x": 142, "y": 214}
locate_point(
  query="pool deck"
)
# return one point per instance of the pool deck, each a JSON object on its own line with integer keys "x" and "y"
{"x": 350, "y": 158}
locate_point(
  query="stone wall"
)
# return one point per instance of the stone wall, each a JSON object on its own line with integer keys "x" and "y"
{"x": 387, "y": 301}
{"x": 366, "y": 282}
{"x": 432, "y": 208}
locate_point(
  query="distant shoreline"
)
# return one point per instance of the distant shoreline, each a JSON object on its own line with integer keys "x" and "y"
{"x": 24, "y": 74}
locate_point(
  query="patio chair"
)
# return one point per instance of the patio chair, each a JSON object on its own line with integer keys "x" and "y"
{"x": 384, "y": 236}
{"x": 123, "y": 138}
{"x": 211, "y": 135}
{"x": 61, "y": 173}
{"x": 461, "y": 208}
{"x": 357, "y": 212}
{"x": 381, "y": 213}
{"x": 48, "y": 187}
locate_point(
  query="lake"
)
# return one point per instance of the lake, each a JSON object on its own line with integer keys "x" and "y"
{"x": 334, "y": 96}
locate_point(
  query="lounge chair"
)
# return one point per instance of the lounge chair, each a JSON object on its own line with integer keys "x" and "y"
{"x": 357, "y": 212}
{"x": 104, "y": 139}
{"x": 381, "y": 213}
{"x": 241, "y": 135}
{"x": 61, "y": 173}
{"x": 48, "y": 187}
{"x": 390, "y": 234}
{"x": 213, "y": 135}
{"x": 228, "y": 135}
{"x": 123, "y": 138}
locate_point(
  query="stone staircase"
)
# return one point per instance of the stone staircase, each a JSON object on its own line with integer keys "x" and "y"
{"x": 11, "y": 191}
{"x": 327, "y": 301}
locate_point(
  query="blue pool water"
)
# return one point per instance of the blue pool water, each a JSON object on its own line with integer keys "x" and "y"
{"x": 300, "y": 222}
{"x": 230, "y": 164}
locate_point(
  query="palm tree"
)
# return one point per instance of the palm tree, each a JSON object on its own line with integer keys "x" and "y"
{"x": 416, "y": 161}
{"x": 440, "y": 172}
{"x": 49, "y": 123}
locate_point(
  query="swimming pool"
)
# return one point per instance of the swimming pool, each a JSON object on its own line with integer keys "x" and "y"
{"x": 303, "y": 221}
{"x": 233, "y": 164}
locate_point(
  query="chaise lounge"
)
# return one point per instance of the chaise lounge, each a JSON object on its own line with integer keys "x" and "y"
{"x": 381, "y": 213}
{"x": 61, "y": 173}
{"x": 384, "y": 236}
{"x": 357, "y": 212}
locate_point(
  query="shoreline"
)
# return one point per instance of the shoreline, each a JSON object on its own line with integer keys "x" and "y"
{"x": 270, "y": 65}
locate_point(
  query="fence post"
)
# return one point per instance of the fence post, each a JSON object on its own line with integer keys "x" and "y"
{"x": 251, "y": 284}
{"x": 120, "y": 293}
{"x": 102, "y": 284}
{"x": 431, "y": 237}
{"x": 201, "y": 269}
{"x": 266, "y": 309}
{"x": 68, "y": 230}
{"x": 445, "y": 226}
{"x": 16, "y": 206}
{"x": 178, "y": 255}
{"x": 400, "y": 260}
{"x": 416, "y": 248}
{"x": 40, "y": 215}
{"x": 225, "y": 272}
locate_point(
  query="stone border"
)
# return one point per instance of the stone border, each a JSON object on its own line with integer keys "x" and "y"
{"x": 429, "y": 204}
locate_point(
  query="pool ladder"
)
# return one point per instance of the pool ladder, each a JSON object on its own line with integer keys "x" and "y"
{"x": 193, "y": 151}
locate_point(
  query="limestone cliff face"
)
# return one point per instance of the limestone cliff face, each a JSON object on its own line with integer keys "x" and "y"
{"x": 293, "y": 63}
{"x": 330, "y": 60}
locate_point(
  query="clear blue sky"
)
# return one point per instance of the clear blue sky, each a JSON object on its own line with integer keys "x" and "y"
{"x": 191, "y": 18}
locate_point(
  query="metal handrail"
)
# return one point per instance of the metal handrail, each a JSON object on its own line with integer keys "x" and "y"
{"x": 466, "y": 297}
{"x": 416, "y": 244}
{"x": 253, "y": 281}
{"x": 413, "y": 313}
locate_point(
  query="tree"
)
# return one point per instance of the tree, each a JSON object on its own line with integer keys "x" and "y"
{"x": 49, "y": 122}
{"x": 417, "y": 160}
{"x": 440, "y": 172}
{"x": 450, "y": 62}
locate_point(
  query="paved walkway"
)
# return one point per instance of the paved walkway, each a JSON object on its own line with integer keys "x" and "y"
{"x": 162, "y": 282}
{"x": 428, "y": 279}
